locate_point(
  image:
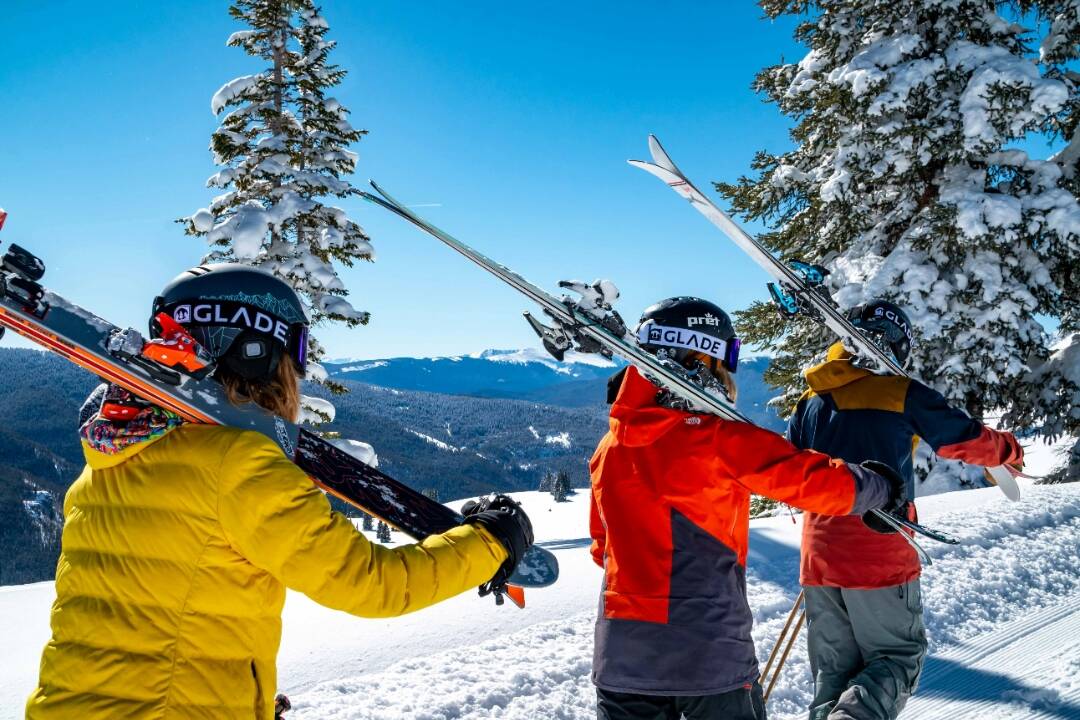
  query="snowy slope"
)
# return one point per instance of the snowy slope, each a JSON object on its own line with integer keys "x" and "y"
{"x": 1001, "y": 609}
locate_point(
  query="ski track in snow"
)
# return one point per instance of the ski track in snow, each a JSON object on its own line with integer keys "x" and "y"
{"x": 1009, "y": 591}
{"x": 967, "y": 682}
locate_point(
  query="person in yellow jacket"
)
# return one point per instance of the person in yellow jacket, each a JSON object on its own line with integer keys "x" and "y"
{"x": 180, "y": 539}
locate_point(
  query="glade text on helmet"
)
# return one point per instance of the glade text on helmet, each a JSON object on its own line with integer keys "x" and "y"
{"x": 242, "y": 316}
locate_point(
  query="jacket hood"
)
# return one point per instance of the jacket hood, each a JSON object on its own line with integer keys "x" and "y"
{"x": 107, "y": 443}
{"x": 636, "y": 418}
{"x": 835, "y": 372}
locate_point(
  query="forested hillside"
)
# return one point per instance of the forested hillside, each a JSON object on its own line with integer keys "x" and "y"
{"x": 450, "y": 441}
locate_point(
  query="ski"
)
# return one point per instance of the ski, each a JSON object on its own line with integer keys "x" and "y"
{"x": 589, "y": 324}
{"x": 798, "y": 288}
{"x": 940, "y": 536}
{"x": 893, "y": 522}
{"x": 175, "y": 376}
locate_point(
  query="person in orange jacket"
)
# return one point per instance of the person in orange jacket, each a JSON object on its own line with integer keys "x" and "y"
{"x": 670, "y": 524}
{"x": 180, "y": 538}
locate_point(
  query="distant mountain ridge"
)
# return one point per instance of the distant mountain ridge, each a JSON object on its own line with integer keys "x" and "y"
{"x": 531, "y": 374}
{"x": 528, "y": 374}
{"x": 494, "y": 420}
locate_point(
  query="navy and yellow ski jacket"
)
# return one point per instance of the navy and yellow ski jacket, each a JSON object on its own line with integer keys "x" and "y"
{"x": 853, "y": 414}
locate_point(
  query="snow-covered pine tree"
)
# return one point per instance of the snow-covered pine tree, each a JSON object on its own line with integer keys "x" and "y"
{"x": 1058, "y": 380}
{"x": 367, "y": 522}
{"x": 283, "y": 148}
{"x": 908, "y": 182}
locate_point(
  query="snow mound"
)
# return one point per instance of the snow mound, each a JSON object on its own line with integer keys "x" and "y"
{"x": 232, "y": 91}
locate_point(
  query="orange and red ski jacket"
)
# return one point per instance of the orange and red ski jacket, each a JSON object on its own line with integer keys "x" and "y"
{"x": 670, "y": 524}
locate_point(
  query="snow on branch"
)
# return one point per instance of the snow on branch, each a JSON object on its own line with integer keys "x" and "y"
{"x": 233, "y": 91}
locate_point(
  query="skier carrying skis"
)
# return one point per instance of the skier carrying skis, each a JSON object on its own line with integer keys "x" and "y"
{"x": 180, "y": 538}
{"x": 670, "y": 524}
{"x": 866, "y": 637}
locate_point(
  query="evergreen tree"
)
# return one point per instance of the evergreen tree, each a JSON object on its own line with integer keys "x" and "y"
{"x": 382, "y": 532}
{"x": 547, "y": 483}
{"x": 283, "y": 146}
{"x": 561, "y": 486}
{"x": 563, "y": 477}
{"x": 367, "y": 522}
{"x": 906, "y": 183}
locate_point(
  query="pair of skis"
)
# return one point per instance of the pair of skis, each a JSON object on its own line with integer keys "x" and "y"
{"x": 589, "y": 323}
{"x": 172, "y": 374}
{"x": 799, "y": 287}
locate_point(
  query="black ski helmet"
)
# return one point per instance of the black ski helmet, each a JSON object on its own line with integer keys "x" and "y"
{"x": 244, "y": 317}
{"x": 887, "y": 325}
{"x": 683, "y": 325}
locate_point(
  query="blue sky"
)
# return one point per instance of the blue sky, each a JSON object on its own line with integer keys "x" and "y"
{"x": 513, "y": 119}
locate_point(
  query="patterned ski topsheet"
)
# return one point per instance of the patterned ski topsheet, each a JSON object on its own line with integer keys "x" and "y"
{"x": 81, "y": 337}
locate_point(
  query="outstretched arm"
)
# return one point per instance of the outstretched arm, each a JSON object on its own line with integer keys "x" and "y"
{"x": 275, "y": 517}
{"x": 767, "y": 464}
{"x": 954, "y": 435}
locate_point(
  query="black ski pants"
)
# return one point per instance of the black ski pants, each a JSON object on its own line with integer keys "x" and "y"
{"x": 740, "y": 704}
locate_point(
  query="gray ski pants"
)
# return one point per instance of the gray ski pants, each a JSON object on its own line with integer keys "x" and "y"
{"x": 866, "y": 650}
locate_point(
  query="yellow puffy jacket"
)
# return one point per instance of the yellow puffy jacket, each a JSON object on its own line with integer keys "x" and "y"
{"x": 176, "y": 555}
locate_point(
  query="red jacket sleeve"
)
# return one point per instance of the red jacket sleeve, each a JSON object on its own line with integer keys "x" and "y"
{"x": 597, "y": 531}
{"x": 767, "y": 464}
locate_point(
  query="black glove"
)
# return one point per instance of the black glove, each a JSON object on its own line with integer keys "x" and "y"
{"x": 896, "y": 505}
{"x": 503, "y": 517}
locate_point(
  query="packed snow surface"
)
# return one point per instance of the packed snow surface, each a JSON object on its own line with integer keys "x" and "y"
{"x": 1002, "y": 612}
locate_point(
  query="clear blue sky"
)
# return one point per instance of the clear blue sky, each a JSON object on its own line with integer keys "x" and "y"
{"x": 515, "y": 118}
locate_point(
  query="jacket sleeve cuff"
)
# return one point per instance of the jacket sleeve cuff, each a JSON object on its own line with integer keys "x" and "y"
{"x": 871, "y": 490}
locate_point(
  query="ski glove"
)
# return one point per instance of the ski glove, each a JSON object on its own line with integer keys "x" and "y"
{"x": 896, "y": 505}
{"x": 503, "y": 517}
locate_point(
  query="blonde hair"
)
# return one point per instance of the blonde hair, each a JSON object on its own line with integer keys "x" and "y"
{"x": 719, "y": 372}
{"x": 280, "y": 395}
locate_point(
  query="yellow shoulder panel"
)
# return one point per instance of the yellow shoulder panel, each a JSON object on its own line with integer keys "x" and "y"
{"x": 874, "y": 392}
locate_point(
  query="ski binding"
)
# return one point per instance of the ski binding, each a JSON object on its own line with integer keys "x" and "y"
{"x": 595, "y": 302}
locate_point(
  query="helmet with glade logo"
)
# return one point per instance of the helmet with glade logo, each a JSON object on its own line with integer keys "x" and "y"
{"x": 245, "y": 318}
{"x": 683, "y": 326}
{"x": 887, "y": 325}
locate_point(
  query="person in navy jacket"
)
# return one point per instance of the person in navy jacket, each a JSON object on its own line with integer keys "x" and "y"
{"x": 866, "y": 638}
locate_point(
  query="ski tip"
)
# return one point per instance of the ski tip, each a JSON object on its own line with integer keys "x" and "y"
{"x": 516, "y": 595}
{"x": 1004, "y": 480}
{"x": 667, "y": 176}
{"x": 660, "y": 156}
